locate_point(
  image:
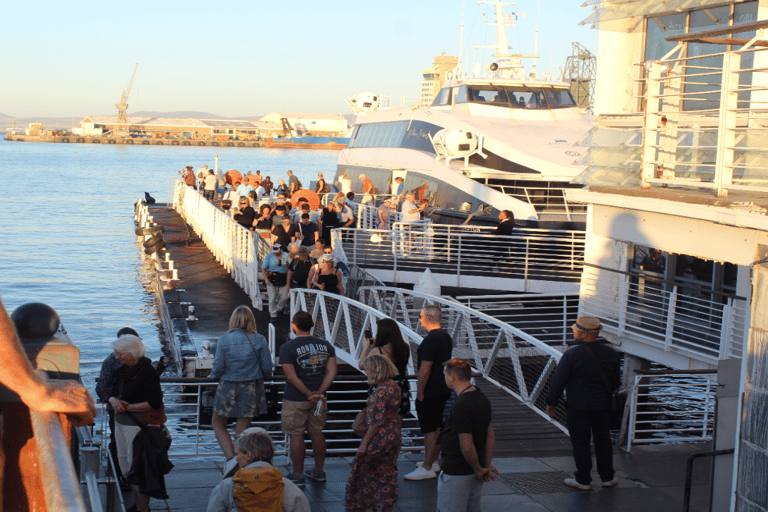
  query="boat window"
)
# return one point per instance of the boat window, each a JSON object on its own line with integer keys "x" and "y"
{"x": 443, "y": 98}
{"x": 526, "y": 97}
{"x": 461, "y": 96}
{"x": 487, "y": 94}
{"x": 559, "y": 98}
{"x": 378, "y": 135}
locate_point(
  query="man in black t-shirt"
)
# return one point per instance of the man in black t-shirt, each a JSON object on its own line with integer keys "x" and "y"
{"x": 298, "y": 268}
{"x": 467, "y": 441}
{"x": 432, "y": 392}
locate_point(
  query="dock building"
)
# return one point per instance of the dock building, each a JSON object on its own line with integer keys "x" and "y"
{"x": 677, "y": 232}
{"x": 434, "y": 76}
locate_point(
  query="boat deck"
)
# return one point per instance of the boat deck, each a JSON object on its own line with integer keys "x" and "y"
{"x": 532, "y": 454}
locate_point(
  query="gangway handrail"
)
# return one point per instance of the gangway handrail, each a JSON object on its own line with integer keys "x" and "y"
{"x": 456, "y": 306}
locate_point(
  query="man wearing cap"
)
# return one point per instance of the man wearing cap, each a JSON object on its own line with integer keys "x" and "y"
{"x": 299, "y": 267}
{"x": 275, "y": 271}
{"x": 589, "y": 373}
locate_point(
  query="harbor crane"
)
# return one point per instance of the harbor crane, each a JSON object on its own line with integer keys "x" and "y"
{"x": 121, "y": 129}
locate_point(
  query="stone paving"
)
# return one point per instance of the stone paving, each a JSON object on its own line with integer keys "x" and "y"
{"x": 651, "y": 479}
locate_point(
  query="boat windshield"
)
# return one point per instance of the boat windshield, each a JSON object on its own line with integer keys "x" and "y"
{"x": 516, "y": 96}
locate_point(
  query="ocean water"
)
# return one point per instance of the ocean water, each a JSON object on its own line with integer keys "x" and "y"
{"x": 66, "y": 230}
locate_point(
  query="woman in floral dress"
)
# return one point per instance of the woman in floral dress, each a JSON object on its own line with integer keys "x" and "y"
{"x": 372, "y": 483}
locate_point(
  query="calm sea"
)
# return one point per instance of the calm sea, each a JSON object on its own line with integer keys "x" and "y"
{"x": 67, "y": 229}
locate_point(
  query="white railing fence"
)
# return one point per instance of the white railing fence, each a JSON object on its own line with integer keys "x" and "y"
{"x": 704, "y": 124}
{"x": 548, "y": 201}
{"x": 232, "y": 245}
{"x": 367, "y": 217}
{"x": 531, "y": 260}
{"x": 519, "y": 363}
{"x": 547, "y": 317}
{"x": 672, "y": 406}
{"x": 705, "y": 326}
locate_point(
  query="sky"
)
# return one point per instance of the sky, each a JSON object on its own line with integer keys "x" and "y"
{"x": 246, "y": 59}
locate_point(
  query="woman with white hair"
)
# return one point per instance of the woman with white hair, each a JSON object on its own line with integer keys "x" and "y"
{"x": 258, "y": 485}
{"x": 242, "y": 362}
{"x": 137, "y": 391}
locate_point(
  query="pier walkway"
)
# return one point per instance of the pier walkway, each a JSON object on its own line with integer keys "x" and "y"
{"x": 532, "y": 455}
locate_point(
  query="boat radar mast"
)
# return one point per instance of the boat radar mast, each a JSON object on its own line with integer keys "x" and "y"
{"x": 508, "y": 65}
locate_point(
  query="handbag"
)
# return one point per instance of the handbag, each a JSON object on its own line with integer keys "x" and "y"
{"x": 155, "y": 416}
{"x": 278, "y": 279}
{"x": 360, "y": 424}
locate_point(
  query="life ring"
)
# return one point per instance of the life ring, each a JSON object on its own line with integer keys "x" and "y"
{"x": 230, "y": 145}
{"x": 95, "y": 141}
{"x": 145, "y": 142}
{"x": 150, "y": 230}
{"x": 214, "y": 144}
{"x": 129, "y": 141}
{"x": 201, "y": 143}
{"x": 185, "y": 143}
{"x": 80, "y": 140}
{"x": 240, "y": 145}
{"x": 154, "y": 248}
{"x": 159, "y": 143}
{"x": 153, "y": 240}
{"x": 65, "y": 139}
{"x": 256, "y": 145}
{"x": 111, "y": 141}
{"x": 174, "y": 143}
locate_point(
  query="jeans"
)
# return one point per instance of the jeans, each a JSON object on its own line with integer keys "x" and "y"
{"x": 583, "y": 425}
{"x": 208, "y": 194}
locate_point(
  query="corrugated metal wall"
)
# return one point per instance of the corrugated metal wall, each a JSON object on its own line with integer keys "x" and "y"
{"x": 752, "y": 485}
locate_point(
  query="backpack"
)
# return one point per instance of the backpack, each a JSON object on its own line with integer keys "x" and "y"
{"x": 375, "y": 191}
{"x": 222, "y": 181}
{"x": 326, "y": 188}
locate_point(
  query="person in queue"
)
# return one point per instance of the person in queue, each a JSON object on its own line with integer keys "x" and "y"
{"x": 244, "y": 187}
{"x": 189, "y": 177}
{"x": 263, "y": 222}
{"x": 328, "y": 278}
{"x": 104, "y": 385}
{"x": 308, "y": 231}
{"x": 294, "y": 185}
{"x": 209, "y": 185}
{"x": 367, "y": 189}
{"x": 506, "y": 223}
{"x": 390, "y": 343}
{"x": 467, "y": 441}
{"x": 279, "y": 214}
{"x": 245, "y": 215}
{"x": 309, "y": 365}
{"x": 233, "y": 197}
{"x": 221, "y": 184}
{"x": 268, "y": 185}
{"x": 372, "y": 483}
{"x": 588, "y": 372}
{"x": 432, "y": 393}
{"x": 318, "y": 251}
{"x": 275, "y": 271}
{"x": 281, "y": 188}
{"x": 136, "y": 391}
{"x": 299, "y": 267}
{"x": 285, "y": 233}
{"x": 242, "y": 362}
{"x": 328, "y": 221}
{"x": 258, "y": 485}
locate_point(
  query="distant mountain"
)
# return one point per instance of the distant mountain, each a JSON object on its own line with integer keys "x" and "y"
{"x": 177, "y": 115}
{"x": 3, "y": 116}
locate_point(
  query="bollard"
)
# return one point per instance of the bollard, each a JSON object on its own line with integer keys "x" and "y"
{"x": 175, "y": 275}
{"x": 89, "y": 461}
{"x": 170, "y": 262}
{"x": 168, "y": 259}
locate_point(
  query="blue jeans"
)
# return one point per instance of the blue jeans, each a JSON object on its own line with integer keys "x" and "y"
{"x": 583, "y": 425}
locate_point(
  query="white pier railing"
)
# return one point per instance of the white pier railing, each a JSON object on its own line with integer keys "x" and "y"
{"x": 531, "y": 260}
{"x": 510, "y": 358}
{"x": 231, "y": 244}
{"x": 672, "y": 406}
{"x": 670, "y": 316}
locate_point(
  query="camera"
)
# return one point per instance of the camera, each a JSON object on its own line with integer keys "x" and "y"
{"x": 368, "y": 334}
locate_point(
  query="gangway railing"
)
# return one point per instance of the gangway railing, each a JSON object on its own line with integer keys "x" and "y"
{"x": 232, "y": 245}
{"x": 547, "y": 316}
{"x": 512, "y": 359}
{"x": 531, "y": 260}
{"x": 673, "y": 317}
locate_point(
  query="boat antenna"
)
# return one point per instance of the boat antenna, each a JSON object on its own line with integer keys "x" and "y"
{"x": 461, "y": 40}
{"x": 536, "y": 41}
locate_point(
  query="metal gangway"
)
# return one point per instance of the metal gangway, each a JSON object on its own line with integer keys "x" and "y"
{"x": 511, "y": 359}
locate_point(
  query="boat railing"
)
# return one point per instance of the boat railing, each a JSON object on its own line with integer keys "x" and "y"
{"x": 530, "y": 260}
{"x": 547, "y": 316}
{"x": 368, "y": 216}
{"x": 548, "y": 201}
{"x": 669, "y": 316}
{"x": 517, "y": 362}
{"x": 231, "y": 244}
{"x": 704, "y": 124}
{"x": 668, "y": 406}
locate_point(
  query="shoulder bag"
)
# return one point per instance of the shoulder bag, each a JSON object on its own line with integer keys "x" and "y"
{"x": 618, "y": 400}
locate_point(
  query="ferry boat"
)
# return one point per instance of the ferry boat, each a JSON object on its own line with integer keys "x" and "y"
{"x": 500, "y": 141}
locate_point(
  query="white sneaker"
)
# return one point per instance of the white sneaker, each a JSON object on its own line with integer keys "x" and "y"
{"x": 435, "y": 466}
{"x": 230, "y": 468}
{"x": 571, "y": 482}
{"x": 420, "y": 474}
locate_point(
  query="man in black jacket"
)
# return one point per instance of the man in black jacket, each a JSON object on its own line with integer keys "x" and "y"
{"x": 589, "y": 373}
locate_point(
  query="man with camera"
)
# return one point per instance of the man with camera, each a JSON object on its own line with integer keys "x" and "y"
{"x": 275, "y": 271}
